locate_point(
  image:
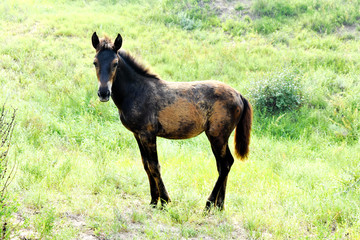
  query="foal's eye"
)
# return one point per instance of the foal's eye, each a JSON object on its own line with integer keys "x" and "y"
{"x": 115, "y": 65}
{"x": 95, "y": 64}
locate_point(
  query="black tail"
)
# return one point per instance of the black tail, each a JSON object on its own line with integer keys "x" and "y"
{"x": 242, "y": 132}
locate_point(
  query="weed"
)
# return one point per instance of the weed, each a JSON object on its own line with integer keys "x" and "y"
{"x": 188, "y": 23}
{"x": 120, "y": 224}
{"x": 352, "y": 180}
{"x": 277, "y": 8}
{"x": 188, "y": 14}
{"x": 343, "y": 117}
{"x": 266, "y": 25}
{"x": 322, "y": 24}
{"x": 138, "y": 217}
{"x": 188, "y": 232}
{"x": 239, "y": 7}
{"x": 236, "y": 28}
{"x": 281, "y": 38}
{"x": 176, "y": 215}
{"x": 252, "y": 227}
{"x": 44, "y": 223}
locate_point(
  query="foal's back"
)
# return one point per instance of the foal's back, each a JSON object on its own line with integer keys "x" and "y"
{"x": 189, "y": 108}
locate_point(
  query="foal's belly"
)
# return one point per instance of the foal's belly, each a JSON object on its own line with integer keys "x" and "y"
{"x": 181, "y": 120}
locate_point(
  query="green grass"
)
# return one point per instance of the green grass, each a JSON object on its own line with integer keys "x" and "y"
{"x": 79, "y": 170}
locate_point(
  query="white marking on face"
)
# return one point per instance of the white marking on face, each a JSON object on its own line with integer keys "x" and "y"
{"x": 109, "y": 85}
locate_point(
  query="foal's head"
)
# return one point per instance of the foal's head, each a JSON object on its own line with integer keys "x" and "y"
{"x": 106, "y": 63}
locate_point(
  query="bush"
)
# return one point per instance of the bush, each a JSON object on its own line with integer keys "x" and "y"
{"x": 278, "y": 93}
{"x": 188, "y": 23}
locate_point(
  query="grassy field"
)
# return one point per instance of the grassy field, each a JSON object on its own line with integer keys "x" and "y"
{"x": 79, "y": 172}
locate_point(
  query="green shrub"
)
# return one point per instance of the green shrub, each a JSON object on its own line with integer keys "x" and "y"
{"x": 279, "y": 93}
{"x": 188, "y": 23}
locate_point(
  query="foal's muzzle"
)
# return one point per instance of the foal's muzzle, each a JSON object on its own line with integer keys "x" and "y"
{"x": 104, "y": 94}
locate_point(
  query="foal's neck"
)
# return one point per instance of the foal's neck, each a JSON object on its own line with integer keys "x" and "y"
{"x": 127, "y": 84}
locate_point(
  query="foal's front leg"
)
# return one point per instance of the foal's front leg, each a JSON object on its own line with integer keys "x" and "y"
{"x": 154, "y": 191}
{"x": 147, "y": 145}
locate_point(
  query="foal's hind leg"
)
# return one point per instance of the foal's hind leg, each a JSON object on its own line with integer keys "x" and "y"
{"x": 224, "y": 161}
{"x": 147, "y": 145}
{"x": 229, "y": 160}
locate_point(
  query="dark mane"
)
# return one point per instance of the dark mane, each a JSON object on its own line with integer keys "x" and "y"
{"x": 136, "y": 66}
{"x": 105, "y": 43}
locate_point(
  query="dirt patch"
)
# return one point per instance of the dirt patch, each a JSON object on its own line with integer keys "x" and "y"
{"x": 349, "y": 32}
{"x": 226, "y": 9}
{"x": 135, "y": 221}
{"x": 76, "y": 221}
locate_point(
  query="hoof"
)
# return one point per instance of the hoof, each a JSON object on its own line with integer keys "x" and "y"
{"x": 208, "y": 207}
{"x": 154, "y": 203}
{"x": 220, "y": 206}
{"x": 165, "y": 202}
{"x": 211, "y": 205}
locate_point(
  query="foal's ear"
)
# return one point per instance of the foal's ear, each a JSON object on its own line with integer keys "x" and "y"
{"x": 117, "y": 43}
{"x": 95, "y": 40}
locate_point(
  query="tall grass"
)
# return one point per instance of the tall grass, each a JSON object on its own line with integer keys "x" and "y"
{"x": 80, "y": 170}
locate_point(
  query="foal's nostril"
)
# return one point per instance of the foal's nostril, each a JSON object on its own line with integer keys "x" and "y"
{"x": 104, "y": 94}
